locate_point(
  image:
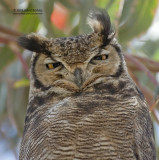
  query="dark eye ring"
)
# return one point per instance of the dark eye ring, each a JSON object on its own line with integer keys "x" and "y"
{"x": 53, "y": 65}
{"x": 102, "y": 57}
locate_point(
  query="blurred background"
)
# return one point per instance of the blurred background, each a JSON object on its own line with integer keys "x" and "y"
{"x": 137, "y": 28}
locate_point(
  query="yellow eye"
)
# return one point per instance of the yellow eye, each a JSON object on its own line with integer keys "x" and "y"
{"x": 103, "y": 57}
{"x": 52, "y": 65}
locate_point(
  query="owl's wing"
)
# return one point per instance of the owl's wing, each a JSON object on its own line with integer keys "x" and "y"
{"x": 144, "y": 134}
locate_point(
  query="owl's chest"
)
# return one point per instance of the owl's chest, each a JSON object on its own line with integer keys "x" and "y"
{"x": 92, "y": 125}
{"x": 93, "y": 112}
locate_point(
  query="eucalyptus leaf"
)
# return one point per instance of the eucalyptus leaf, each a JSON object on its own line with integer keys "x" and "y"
{"x": 156, "y": 55}
{"x": 22, "y": 83}
{"x": 136, "y": 18}
{"x": 29, "y": 23}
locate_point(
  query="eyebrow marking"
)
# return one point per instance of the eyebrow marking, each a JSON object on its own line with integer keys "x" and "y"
{"x": 104, "y": 52}
{"x": 48, "y": 60}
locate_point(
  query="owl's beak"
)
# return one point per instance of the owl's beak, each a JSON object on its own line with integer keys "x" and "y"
{"x": 78, "y": 77}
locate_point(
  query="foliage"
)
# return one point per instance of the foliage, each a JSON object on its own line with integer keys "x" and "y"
{"x": 131, "y": 20}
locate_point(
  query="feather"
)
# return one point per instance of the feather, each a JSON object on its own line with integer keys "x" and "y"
{"x": 34, "y": 42}
{"x": 99, "y": 21}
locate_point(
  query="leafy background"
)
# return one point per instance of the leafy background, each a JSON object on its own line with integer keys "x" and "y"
{"x": 137, "y": 28}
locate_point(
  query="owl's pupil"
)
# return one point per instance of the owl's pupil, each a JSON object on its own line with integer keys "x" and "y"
{"x": 56, "y": 64}
{"x": 106, "y": 56}
{"x": 102, "y": 57}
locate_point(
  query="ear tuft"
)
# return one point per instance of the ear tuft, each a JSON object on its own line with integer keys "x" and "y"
{"x": 33, "y": 42}
{"x": 99, "y": 21}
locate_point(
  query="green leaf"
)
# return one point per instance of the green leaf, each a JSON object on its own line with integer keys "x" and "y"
{"x": 29, "y": 23}
{"x": 102, "y": 3}
{"x": 156, "y": 55}
{"x": 136, "y": 18}
{"x": 113, "y": 8}
{"x": 22, "y": 83}
{"x": 7, "y": 56}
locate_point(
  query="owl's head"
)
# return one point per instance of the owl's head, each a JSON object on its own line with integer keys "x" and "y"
{"x": 75, "y": 64}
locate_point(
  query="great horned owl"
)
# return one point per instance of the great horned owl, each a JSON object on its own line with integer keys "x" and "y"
{"x": 83, "y": 105}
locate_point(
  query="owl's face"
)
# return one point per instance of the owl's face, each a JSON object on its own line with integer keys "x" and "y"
{"x": 75, "y": 64}
{"x": 74, "y": 73}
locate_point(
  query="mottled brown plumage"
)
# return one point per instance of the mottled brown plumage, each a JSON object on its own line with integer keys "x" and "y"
{"x": 83, "y": 105}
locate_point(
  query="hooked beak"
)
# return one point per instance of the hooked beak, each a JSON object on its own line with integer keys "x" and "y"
{"x": 78, "y": 77}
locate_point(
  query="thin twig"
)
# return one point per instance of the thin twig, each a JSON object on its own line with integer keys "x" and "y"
{"x": 7, "y": 39}
{"x": 147, "y": 60}
{"x": 154, "y": 105}
{"x": 9, "y": 31}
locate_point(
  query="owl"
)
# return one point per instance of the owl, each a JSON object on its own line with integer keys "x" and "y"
{"x": 83, "y": 105}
